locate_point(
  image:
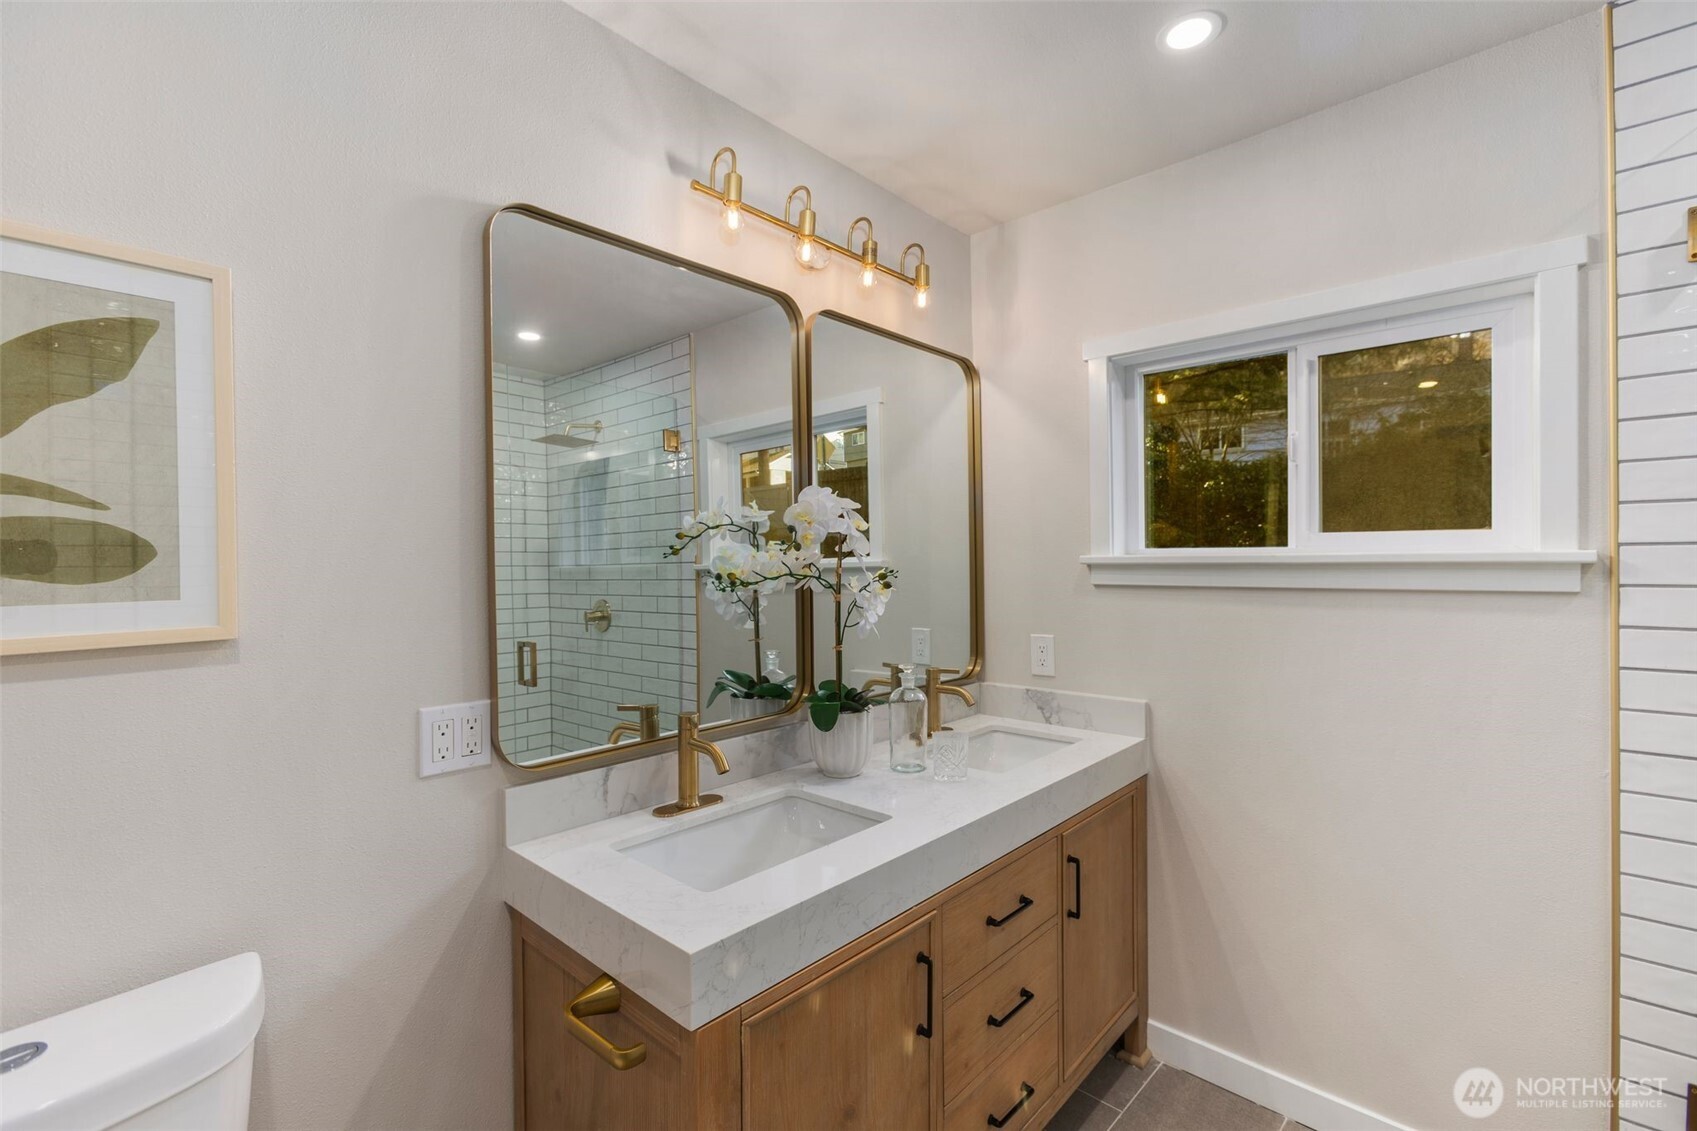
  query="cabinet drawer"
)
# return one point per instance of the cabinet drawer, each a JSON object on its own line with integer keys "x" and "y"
{"x": 1015, "y": 1088}
{"x": 991, "y": 1016}
{"x": 999, "y": 912}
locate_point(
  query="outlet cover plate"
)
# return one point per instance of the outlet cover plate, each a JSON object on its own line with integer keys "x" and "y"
{"x": 1042, "y": 654}
{"x": 453, "y": 737}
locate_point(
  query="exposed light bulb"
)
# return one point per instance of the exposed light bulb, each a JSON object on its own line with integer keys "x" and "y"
{"x": 1160, "y": 397}
{"x": 733, "y": 217}
{"x": 921, "y": 295}
{"x": 868, "y": 276}
{"x": 810, "y": 253}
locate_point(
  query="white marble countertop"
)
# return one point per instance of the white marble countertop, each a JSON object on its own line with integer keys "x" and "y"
{"x": 695, "y": 954}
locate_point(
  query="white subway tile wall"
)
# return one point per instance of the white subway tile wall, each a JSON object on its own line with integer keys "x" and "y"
{"x": 521, "y": 556}
{"x": 1655, "y": 184}
{"x": 613, "y": 509}
{"x": 587, "y": 522}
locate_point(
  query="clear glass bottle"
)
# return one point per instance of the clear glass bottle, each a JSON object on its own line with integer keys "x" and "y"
{"x": 907, "y": 725}
{"x": 772, "y": 671}
{"x": 949, "y": 755}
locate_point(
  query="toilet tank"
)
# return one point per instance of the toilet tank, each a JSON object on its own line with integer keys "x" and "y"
{"x": 172, "y": 1055}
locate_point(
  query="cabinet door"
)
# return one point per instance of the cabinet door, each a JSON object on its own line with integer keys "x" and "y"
{"x": 1098, "y": 933}
{"x": 848, "y": 1051}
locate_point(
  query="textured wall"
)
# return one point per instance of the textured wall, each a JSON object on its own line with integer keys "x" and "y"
{"x": 167, "y": 807}
{"x": 1380, "y": 820}
{"x": 1655, "y": 102}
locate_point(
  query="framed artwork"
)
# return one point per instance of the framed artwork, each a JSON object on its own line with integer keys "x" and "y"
{"x": 117, "y": 446}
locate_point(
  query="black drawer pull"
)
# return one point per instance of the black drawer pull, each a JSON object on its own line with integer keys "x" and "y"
{"x": 1024, "y": 902}
{"x": 1026, "y": 1091}
{"x": 930, "y": 972}
{"x": 1025, "y": 997}
{"x": 1077, "y": 911}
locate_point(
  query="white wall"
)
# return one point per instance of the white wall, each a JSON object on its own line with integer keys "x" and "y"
{"x": 1655, "y": 183}
{"x": 167, "y": 807}
{"x": 1380, "y": 821}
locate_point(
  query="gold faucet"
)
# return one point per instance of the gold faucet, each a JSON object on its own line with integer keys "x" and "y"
{"x": 891, "y": 681}
{"x": 935, "y": 689}
{"x": 691, "y": 745}
{"x": 645, "y": 728}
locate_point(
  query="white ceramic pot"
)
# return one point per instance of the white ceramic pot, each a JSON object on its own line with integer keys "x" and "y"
{"x": 753, "y": 708}
{"x": 842, "y": 751}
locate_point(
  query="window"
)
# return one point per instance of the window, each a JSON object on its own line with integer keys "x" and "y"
{"x": 749, "y": 458}
{"x": 1426, "y": 442}
{"x": 839, "y": 462}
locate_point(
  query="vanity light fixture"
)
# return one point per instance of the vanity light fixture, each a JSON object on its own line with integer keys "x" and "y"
{"x": 1190, "y": 32}
{"x": 812, "y": 250}
{"x": 731, "y": 196}
{"x": 809, "y": 251}
{"x": 529, "y": 336}
{"x": 868, "y": 252}
{"x": 921, "y": 275}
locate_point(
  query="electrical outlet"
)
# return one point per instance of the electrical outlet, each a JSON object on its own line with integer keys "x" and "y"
{"x": 1042, "y": 654}
{"x": 920, "y": 650}
{"x": 455, "y": 737}
{"x": 473, "y": 722}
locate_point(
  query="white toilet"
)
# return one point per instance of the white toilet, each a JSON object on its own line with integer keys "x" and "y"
{"x": 176, "y": 1055}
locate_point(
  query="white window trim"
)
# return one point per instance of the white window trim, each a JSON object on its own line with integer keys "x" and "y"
{"x": 723, "y": 441}
{"x": 1542, "y": 554}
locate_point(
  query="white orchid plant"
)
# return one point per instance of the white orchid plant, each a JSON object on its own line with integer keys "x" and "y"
{"x": 745, "y": 569}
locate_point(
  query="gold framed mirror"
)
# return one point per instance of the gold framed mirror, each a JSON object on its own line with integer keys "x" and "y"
{"x": 897, "y": 427}
{"x": 605, "y": 358}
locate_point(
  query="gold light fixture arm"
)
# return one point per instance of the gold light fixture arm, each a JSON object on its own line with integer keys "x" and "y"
{"x": 806, "y": 205}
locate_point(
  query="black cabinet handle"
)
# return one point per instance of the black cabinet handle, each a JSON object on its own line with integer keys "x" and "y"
{"x": 1026, "y": 1091}
{"x": 930, "y": 973}
{"x": 1025, "y": 997}
{"x": 1077, "y": 911}
{"x": 1024, "y": 902}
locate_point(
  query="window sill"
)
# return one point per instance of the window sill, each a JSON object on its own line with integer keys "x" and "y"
{"x": 1537, "y": 571}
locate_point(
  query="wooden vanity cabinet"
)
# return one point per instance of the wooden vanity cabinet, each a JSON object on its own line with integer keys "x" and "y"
{"x": 985, "y": 1005}
{"x": 1101, "y": 856}
{"x": 855, "y": 1048}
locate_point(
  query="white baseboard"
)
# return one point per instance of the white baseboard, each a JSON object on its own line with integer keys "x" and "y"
{"x": 1293, "y": 1099}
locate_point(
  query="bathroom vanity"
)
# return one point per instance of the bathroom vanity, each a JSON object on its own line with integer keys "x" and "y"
{"x": 879, "y": 952}
{"x": 883, "y": 952}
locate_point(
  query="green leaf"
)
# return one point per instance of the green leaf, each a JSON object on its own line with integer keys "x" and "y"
{"x": 824, "y": 714}
{"x": 67, "y": 362}
{"x": 69, "y": 551}
{"x": 35, "y": 489}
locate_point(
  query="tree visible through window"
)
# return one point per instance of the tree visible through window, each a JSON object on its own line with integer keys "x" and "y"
{"x": 1405, "y": 433}
{"x": 1214, "y": 454}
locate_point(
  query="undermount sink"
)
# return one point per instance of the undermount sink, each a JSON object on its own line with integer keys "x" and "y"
{"x": 721, "y": 850}
{"x": 996, "y": 750}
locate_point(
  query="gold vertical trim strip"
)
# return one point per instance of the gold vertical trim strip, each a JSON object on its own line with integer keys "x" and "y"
{"x": 1613, "y": 301}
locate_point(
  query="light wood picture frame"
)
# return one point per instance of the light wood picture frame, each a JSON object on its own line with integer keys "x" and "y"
{"x": 118, "y": 461}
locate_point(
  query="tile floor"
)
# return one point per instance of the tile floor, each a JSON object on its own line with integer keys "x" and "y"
{"x": 1119, "y": 1097}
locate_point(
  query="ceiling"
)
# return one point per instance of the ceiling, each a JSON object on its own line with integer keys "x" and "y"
{"x": 982, "y": 112}
{"x": 593, "y": 302}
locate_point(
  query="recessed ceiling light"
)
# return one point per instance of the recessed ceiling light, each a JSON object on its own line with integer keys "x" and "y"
{"x": 1189, "y": 32}
{"x": 529, "y": 336}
